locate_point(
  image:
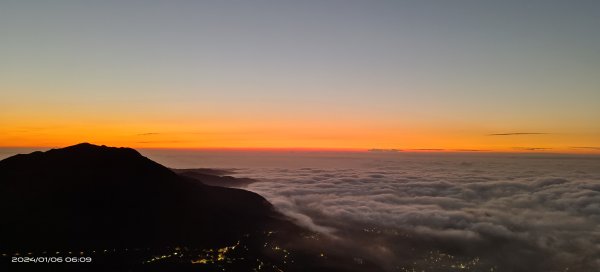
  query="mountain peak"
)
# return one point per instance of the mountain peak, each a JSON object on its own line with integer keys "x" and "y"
{"x": 85, "y": 145}
{"x": 88, "y": 147}
{"x": 85, "y": 156}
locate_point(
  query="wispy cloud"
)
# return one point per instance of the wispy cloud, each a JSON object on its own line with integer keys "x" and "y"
{"x": 586, "y": 147}
{"x": 531, "y": 148}
{"x": 185, "y": 133}
{"x": 517, "y": 133}
{"x": 148, "y": 134}
{"x": 162, "y": 142}
{"x": 384, "y": 150}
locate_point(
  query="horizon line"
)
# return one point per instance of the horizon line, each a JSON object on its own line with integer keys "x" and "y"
{"x": 513, "y": 150}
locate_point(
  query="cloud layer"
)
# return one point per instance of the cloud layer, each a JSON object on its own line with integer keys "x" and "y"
{"x": 525, "y": 213}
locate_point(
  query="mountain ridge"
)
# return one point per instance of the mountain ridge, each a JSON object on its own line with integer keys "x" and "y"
{"x": 90, "y": 195}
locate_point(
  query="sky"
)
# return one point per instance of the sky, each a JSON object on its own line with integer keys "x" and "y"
{"x": 453, "y": 75}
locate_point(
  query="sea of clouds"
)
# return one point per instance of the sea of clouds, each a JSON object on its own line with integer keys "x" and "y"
{"x": 494, "y": 212}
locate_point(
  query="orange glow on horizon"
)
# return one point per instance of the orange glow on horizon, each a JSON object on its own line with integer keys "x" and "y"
{"x": 278, "y": 142}
{"x": 280, "y": 134}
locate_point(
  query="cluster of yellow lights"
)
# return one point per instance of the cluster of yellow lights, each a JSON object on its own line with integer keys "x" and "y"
{"x": 221, "y": 255}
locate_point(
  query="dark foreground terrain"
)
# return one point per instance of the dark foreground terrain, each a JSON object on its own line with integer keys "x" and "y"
{"x": 214, "y": 177}
{"x": 98, "y": 208}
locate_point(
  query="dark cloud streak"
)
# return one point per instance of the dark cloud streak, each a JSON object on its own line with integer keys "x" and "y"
{"x": 518, "y": 133}
{"x": 531, "y": 148}
{"x": 586, "y": 147}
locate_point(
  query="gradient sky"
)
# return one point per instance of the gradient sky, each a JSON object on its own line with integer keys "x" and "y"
{"x": 490, "y": 75}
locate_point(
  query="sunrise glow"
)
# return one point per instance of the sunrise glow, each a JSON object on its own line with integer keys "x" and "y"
{"x": 267, "y": 80}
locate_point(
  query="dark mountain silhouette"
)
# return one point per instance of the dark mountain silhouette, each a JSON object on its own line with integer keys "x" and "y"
{"x": 87, "y": 195}
{"x": 128, "y": 213}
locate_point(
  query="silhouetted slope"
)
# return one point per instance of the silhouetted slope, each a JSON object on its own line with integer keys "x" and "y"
{"x": 214, "y": 177}
{"x": 87, "y": 195}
